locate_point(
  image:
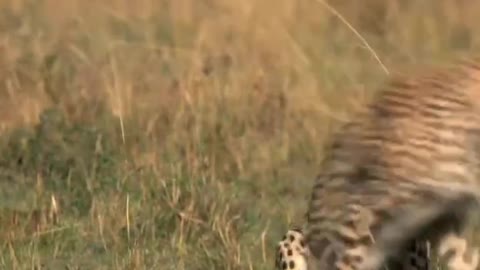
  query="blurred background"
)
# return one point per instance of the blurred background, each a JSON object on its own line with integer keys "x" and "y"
{"x": 185, "y": 134}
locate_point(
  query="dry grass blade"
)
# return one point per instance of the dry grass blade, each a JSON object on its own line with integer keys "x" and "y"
{"x": 359, "y": 36}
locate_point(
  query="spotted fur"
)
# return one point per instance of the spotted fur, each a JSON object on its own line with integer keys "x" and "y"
{"x": 402, "y": 171}
{"x": 292, "y": 254}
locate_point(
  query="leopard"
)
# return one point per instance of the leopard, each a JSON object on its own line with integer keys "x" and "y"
{"x": 400, "y": 175}
{"x": 291, "y": 254}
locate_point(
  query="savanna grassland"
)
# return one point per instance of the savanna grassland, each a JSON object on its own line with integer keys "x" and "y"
{"x": 185, "y": 134}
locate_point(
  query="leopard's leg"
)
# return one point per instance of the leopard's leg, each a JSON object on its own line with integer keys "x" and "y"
{"x": 457, "y": 253}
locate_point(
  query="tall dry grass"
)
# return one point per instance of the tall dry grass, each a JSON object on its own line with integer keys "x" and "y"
{"x": 185, "y": 134}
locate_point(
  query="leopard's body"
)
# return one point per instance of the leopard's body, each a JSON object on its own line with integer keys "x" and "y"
{"x": 404, "y": 172}
{"x": 292, "y": 254}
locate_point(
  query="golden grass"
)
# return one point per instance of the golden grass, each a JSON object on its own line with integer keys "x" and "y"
{"x": 189, "y": 131}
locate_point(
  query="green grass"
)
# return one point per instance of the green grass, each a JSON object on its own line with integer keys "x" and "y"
{"x": 185, "y": 134}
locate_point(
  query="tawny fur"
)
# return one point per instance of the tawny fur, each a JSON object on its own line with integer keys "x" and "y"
{"x": 404, "y": 169}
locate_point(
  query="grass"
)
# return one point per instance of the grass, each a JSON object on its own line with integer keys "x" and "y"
{"x": 185, "y": 134}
